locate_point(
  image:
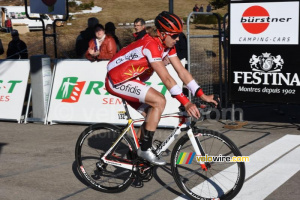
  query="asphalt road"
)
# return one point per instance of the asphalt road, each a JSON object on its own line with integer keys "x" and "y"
{"x": 37, "y": 162}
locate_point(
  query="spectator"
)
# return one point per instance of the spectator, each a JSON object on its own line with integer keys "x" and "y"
{"x": 110, "y": 30}
{"x": 139, "y": 26}
{"x": 149, "y": 29}
{"x": 82, "y": 41}
{"x": 17, "y": 49}
{"x": 201, "y": 9}
{"x": 8, "y": 25}
{"x": 181, "y": 46}
{"x": 1, "y": 48}
{"x": 196, "y": 8}
{"x": 101, "y": 47}
{"x": 208, "y": 8}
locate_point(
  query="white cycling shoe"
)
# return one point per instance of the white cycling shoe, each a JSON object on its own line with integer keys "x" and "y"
{"x": 151, "y": 157}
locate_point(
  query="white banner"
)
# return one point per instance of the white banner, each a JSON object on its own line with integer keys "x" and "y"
{"x": 13, "y": 82}
{"x": 79, "y": 95}
{"x": 266, "y": 23}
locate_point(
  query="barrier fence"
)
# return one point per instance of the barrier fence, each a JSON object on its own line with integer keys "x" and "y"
{"x": 204, "y": 52}
{"x": 77, "y": 94}
{"x": 13, "y": 83}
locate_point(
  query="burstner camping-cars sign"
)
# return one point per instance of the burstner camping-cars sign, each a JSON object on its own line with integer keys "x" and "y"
{"x": 264, "y": 61}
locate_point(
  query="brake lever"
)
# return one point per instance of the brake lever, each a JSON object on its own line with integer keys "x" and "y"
{"x": 217, "y": 99}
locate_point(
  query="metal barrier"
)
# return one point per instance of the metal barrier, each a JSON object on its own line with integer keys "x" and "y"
{"x": 208, "y": 58}
{"x": 205, "y": 54}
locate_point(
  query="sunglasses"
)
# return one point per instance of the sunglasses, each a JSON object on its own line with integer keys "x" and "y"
{"x": 172, "y": 35}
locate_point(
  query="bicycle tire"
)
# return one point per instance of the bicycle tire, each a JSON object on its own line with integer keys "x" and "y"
{"x": 222, "y": 180}
{"x": 91, "y": 145}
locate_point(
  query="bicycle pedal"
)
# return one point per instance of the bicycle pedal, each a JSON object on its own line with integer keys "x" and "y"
{"x": 155, "y": 144}
{"x": 137, "y": 183}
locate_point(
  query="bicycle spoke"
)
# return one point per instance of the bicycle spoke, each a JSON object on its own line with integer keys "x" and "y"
{"x": 219, "y": 180}
{"x": 93, "y": 143}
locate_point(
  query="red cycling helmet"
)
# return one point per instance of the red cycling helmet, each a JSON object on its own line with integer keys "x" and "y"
{"x": 168, "y": 22}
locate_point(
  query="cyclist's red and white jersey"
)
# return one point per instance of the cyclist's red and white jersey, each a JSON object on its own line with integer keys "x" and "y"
{"x": 135, "y": 59}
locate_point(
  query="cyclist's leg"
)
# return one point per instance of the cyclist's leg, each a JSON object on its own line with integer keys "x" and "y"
{"x": 136, "y": 93}
{"x": 157, "y": 103}
{"x": 151, "y": 110}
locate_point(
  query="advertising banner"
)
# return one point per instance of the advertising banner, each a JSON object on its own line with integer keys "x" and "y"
{"x": 264, "y": 62}
{"x": 79, "y": 95}
{"x": 13, "y": 83}
{"x": 53, "y": 7}
{"x": 269, "y": 23}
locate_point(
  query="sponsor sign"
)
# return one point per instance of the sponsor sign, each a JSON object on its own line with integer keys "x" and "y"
{"x": 54, "y": 7}
{"x": 266, "y": 75}
{"x": 79, "y": 95}
{"x": 264, "y": 52}
{"x": 267, "y": 23}
{"x": 13, "y": 82}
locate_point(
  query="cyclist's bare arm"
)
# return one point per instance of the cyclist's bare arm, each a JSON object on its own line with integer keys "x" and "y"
{"x": 169, "y": 82}
{"x": 183, "y": 74}
{"x": 186, "y": 77}
{"x": 163, "y": 74}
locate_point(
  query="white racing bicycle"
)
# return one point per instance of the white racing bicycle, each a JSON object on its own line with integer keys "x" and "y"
{"x": 106, "y": 157}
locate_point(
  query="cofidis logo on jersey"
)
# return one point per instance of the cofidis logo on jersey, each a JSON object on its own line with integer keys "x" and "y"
{"x": 265, "y": 23}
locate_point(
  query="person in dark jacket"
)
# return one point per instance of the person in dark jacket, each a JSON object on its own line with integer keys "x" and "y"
{"x": 83, "y": 39}
{"x": 139, "y": 26}
{"x": 1, "y": 48}
{"x": 17, "y": 49}
{"x": 110, "y": 29}
{"x": 201, "y": 9}
{"x": 181, "y": 46}
{"x": 196, "y": 8}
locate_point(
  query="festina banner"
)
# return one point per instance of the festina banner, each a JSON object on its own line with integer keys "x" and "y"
{"x": 79, "y": 95}
{"x": 13, "y": 83}
{"x": 264, "y": 62}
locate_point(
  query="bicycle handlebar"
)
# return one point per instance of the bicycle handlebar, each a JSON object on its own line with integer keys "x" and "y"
{"x": 206, "y": 105}
{"x": 204, "y": 109}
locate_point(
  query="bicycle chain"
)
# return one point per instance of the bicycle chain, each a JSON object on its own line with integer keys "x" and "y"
{"x": 143, "y": 172}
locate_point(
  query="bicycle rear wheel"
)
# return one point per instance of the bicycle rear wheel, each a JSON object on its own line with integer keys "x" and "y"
{"x": 91, "y": 145}
{"x": 222, "y": 180}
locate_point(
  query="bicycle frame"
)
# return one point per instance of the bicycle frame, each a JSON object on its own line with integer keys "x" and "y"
{"x": 184, "y": 123}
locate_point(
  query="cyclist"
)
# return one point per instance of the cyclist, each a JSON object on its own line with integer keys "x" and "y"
{"x": 134, "y": 64}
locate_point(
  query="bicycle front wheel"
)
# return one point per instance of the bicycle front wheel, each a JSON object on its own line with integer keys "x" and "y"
{"x": 222, "y": 180}
{"x": 91, "y": 145}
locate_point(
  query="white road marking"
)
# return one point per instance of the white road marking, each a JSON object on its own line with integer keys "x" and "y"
{"x": 262, "y": 158}
{"x": 271, "y": 178}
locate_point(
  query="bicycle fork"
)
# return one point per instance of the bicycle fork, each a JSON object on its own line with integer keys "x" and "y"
{"x": 197, "y": 147}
